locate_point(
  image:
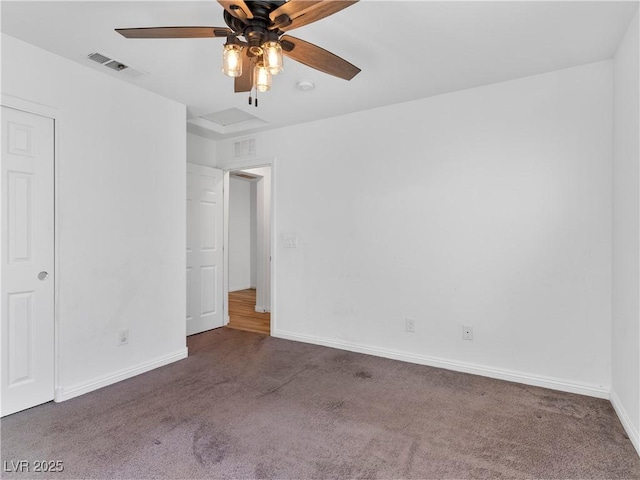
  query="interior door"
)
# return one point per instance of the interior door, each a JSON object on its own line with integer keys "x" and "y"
{"x": 27, "y": 260}
{"x": 204, "y": 248}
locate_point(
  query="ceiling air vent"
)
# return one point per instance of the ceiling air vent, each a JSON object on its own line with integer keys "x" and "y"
{"x": 98, "y": 57}
{"x": 115, "y": 65}
{"x": 244, "y": 148}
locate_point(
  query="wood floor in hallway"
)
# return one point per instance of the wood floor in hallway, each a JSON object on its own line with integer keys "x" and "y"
{"x": 243, "y": 315}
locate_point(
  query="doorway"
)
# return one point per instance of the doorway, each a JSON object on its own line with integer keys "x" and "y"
{"x": 249, "y": 251}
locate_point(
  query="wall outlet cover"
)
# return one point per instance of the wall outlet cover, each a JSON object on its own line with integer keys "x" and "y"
{"x": 410, "y": 325}
{"x": 467, "y": 332}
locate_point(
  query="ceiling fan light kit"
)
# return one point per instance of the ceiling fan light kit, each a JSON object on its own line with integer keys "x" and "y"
{"x": 261, "y": 78}
{"x": 232, "y": 58}
{"x": 273, "y": 57}
{"x": 263, "y": 25}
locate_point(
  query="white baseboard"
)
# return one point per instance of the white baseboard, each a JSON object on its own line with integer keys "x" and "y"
{"x": 501, "y": 374}
{"x": 66, "y": 393}
{"x": 629, "y": 427}
{"x": 262, "y": 309}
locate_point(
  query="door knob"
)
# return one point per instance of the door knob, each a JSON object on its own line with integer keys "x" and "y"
{"x": 43, "y": 275}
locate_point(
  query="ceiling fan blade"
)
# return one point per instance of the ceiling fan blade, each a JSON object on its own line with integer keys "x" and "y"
{"x": 304, "y": 12}
{"x": 174, "y": 32}
{"x": 315, "y": 57}
{"x": 236, "y": 8}
{"x": 244, "y": 83}
{"x": 293, "y": 8}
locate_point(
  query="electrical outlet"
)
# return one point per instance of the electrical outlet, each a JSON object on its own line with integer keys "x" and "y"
{"x": 123, "y": 337}
{"x": 467, "y": 332}
{"x": 410, "y": 325}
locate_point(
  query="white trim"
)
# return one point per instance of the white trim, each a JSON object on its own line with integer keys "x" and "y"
{"x": 629, "y": 427}
{"x": 466, "y": 367}
{"x": 227, "y": 167}
{"x": 225, "y": 246}
{"x": 67, "y": 393}
{"x": 273, "y": 246}
{"x": 28, "y": 106}
{"x": 243, "y": 164}
{"x": 240, "y": 288}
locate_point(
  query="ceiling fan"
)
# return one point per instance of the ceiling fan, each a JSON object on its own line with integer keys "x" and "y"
{"x": 262, "y": 24}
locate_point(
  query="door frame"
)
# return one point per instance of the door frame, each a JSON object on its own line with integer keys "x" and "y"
{"x": 228, "y": 167}
{"x": 54, "y": 114}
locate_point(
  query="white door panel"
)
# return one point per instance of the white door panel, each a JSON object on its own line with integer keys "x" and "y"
{"x": 204, "y": 248}
{"x": 27, "y": 260}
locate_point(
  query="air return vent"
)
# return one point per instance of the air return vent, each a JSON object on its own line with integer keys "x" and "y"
{"x": 98, "y": 57}
{"x": 244, "y": 148}
{"x": 115, "y": 65}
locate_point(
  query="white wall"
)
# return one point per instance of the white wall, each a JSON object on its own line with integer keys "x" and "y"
{"x": 489, "y": 207}
{"x": 626, "y": 234}
{"x": 253, "y": 234}
{"x": 201, "y": 150}
{"x": 239, "y": 234}
{"x": 121, "y": 217}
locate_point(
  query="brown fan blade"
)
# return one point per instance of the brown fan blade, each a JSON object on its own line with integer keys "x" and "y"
{"x": 315, "y": 57}
{"x": 244, "y": 83}
{"x": 174, "y": 32}
{"x": 232, "y": 6}
{"x": 304, "y": 12}
{"x": 293, "y": 8}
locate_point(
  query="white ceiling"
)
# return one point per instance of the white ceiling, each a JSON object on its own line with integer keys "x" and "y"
{"x": 406, "y": 50}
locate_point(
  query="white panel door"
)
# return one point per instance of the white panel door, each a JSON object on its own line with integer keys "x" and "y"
{"x": 204, "y": 248}
{"x": 27, "y": 261}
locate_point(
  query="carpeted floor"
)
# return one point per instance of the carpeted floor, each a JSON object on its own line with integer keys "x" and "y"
{"x": 244, "y": 405}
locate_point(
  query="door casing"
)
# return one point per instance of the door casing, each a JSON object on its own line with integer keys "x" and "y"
{"x": 243, "y": 165}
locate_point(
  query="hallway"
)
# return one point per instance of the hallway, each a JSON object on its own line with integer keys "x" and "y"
{"x": 242, "y": 313}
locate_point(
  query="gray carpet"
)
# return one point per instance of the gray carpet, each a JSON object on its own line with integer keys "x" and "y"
{"x": 248, "y": 406}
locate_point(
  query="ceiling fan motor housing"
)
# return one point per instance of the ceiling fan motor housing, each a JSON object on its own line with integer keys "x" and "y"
{"x": 255, "y": 29}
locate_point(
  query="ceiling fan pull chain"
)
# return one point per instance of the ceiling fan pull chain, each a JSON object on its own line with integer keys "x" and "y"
{"x": 250, "y": 101}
